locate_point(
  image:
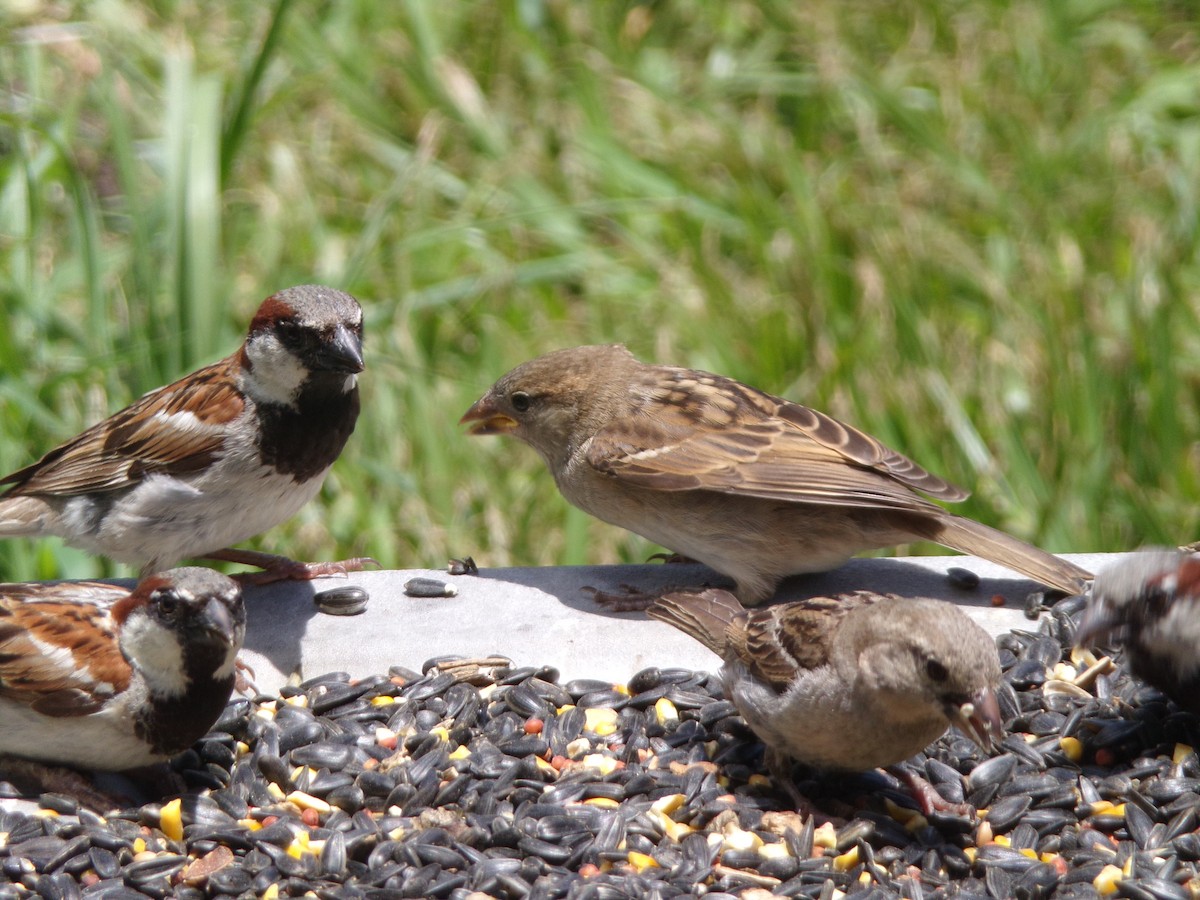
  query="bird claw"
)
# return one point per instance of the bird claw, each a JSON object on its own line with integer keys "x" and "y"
{"x": 281, "y": 568}
{"x": 927, "y": 797}
{"x": 671, "y": 559}
{"x": 631, "y": 600}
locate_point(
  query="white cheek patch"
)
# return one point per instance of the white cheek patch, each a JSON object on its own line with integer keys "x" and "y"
{"x": 158, "y": 655}
{"x": 276, "y": 375}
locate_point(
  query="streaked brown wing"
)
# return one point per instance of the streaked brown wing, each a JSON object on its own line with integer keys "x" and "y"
{"x": 777, "y": 642}
{"x": 695, "y": 431}
{"x": 174, "y": 430}
{"x": 60, "y": 657}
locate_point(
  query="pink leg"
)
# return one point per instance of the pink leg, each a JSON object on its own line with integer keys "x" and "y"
{"x": 280, "y": 568}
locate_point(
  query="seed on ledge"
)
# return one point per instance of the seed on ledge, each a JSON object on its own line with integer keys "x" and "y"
{"x": 464, "y": 566}
{"x": 429, "y": 587}
{"x": 963, "y": 579}
{"x": 348, "y": 600}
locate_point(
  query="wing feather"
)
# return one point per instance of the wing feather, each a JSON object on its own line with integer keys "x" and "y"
{"x": 694, "y": 431}
{"x": 174, "y": 430}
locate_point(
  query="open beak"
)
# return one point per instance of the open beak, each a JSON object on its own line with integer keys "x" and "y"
{"x": 487, "y": 419}
{"x": 979, "y": 718}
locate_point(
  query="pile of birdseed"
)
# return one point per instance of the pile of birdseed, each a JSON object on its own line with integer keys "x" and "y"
{"x": 482, "y": 780}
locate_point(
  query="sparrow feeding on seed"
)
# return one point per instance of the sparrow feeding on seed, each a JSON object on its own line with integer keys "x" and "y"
{"x": 754, "y": 486}
{"x": 219, "y": 456}
{"x": 98, "y": 676}
{"x": 848, "y": 683}
{"x": 1149, "y": 604}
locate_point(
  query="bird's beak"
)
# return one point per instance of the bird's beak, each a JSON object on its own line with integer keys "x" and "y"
{"x": 979, "y": 718}
{"x": 344, "y": 352}
{"x": 1099, "y": 623}
{"x": 487, "y": 419}
{"x": 217, "y": 621}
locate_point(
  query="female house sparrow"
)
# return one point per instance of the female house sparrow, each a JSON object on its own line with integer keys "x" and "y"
{"x": 101, "y": 677}
{"x": 1148, "y": 604}
{"x": 849, "y": 682}
{"x": 217, "y": 457}
{"x": 752, "y": 485}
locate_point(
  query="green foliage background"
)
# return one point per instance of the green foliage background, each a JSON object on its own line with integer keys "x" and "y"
{"x": 969, "y": 228}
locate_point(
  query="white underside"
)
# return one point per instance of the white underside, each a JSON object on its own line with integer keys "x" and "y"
{"x": 819, "y": 722}
{"x": 164, "y": 519}
{"x": 104, "y": 740}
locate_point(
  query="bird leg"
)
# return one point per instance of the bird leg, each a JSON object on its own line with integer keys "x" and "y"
{"x": 280, "y": 568}
{"x": 926, "y": 795}
{"x": 672, "y": 559}
{"x": 630, "y": 599}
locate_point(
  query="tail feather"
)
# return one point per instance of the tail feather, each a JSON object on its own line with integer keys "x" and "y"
{"x": 704, "y": 616}
{"x": 23, "y": 516}
{"x": 977, "y": 539}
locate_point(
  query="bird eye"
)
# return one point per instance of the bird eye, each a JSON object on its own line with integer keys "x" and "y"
{"x": 168, "y": 605}
{"x": 521, "y": 401}
{"x": 936, "y": 670}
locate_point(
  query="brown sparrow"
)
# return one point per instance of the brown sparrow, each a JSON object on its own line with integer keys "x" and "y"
{"x": 98, "y": 676}
{"x": 219, "y": 456}
{"x": 752, "y": 485}
{"x": 1149, "y": 604}
{"x": 849, "y": 682}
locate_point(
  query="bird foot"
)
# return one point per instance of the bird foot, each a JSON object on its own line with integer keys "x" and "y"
{"x": 280, "y": 568}
{"x": 672, "y": 559}
{"x": 927, "y": 797}
{"x": 630, "y": 599}
{"x": 243, "y": 680}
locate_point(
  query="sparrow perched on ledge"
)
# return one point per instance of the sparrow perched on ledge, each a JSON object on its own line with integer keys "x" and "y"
{"x": 754, "y": 486}
{"x": 219, "y": 456}
{"x": 97, "y": 676}
{"x": 1149, "y": 604}
{"x": 850, "y": 682}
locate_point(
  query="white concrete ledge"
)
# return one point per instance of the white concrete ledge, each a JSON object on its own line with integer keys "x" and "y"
{"x": 540, "y": 616}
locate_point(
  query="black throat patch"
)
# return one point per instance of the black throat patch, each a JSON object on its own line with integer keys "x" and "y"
{"x": 304, "y": 440}
{"x": 173, "y": 724}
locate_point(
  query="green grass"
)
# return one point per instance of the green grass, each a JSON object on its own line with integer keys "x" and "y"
{"x": 970, "y": 229}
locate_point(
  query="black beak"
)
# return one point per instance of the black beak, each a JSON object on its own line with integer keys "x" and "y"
{"x": 217, "y": 621}
{"x": 343, "y": 353}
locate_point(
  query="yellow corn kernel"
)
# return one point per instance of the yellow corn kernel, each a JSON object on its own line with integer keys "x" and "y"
{"x": 737, "y": 839}
{"x": 605, "y": 765}
{"x": 600, "y": 720}
{"x": 825, "y": 836}
{"x": 641, "y": 861}
{"x": 668, "y": 804}
{"x": 846, "y": 861}
{"x": 665, "y": 712}
{"x": 1108, "y": 879}
{"x": 170, "y": 819}
{"x": 1072, "y": 748}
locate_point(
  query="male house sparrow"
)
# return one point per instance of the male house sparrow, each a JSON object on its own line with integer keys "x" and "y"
{"x": 219, "y": 456}
{"x": 849, "y": 682}
{"x": 99, "y": 676}
{"x": 1150, "y": 605}
{"x": 752, "y": 485}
